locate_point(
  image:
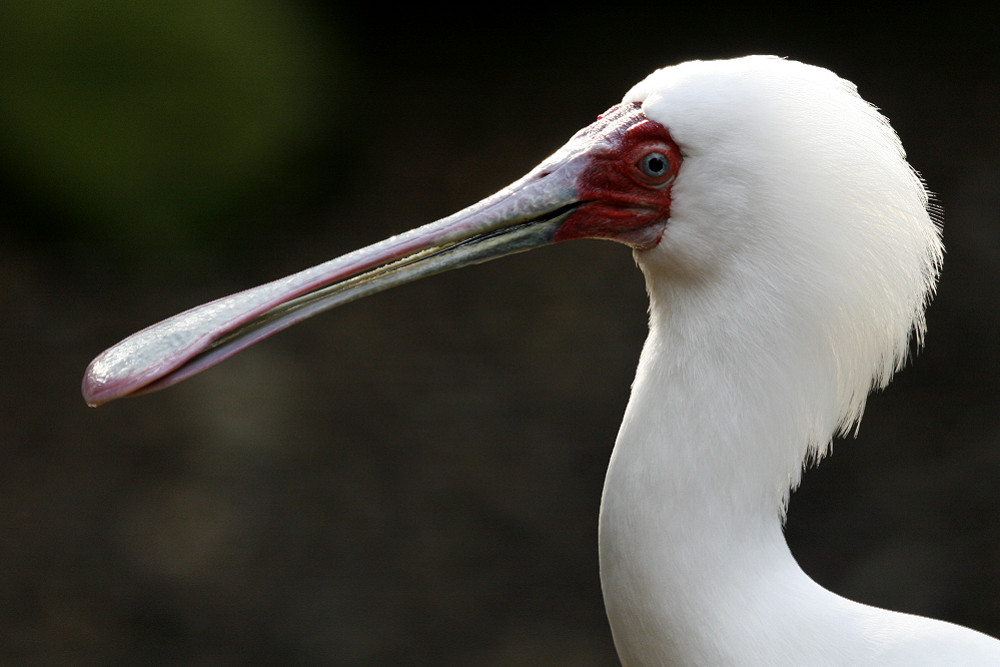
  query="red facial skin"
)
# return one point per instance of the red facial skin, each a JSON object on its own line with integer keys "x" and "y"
{"x": 620, "y": 201}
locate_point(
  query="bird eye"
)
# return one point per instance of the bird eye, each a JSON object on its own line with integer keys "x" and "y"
{"x": 654, "y": 165}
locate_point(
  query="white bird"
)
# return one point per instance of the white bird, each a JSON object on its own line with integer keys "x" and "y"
{"x": 789, "y": 256}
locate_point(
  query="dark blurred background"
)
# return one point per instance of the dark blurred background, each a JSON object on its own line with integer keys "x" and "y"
{"x": 415, "y": 479}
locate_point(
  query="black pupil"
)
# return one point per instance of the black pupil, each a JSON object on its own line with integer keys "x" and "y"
{"x": 655, "y": 164}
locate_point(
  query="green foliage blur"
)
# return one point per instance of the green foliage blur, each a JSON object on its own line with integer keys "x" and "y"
{"x": 142, "y": 124}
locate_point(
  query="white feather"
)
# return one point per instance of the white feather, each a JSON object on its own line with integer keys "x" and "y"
{"x": 792, "y": 275}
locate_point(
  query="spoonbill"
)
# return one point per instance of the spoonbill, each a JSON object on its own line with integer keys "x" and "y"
{"x": 789, "y": 256}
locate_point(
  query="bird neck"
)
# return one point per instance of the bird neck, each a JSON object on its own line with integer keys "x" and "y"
{"x": 714, "y": 436}
{"x": 694, "y": 566}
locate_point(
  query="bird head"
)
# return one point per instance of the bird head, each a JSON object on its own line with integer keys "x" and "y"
{"x": 759, "y": 178}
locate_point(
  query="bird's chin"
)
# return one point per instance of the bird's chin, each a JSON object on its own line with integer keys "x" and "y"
{"x": 644, "y": 238}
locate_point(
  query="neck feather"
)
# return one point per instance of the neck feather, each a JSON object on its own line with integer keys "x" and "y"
{"x": 715, "y": 435}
